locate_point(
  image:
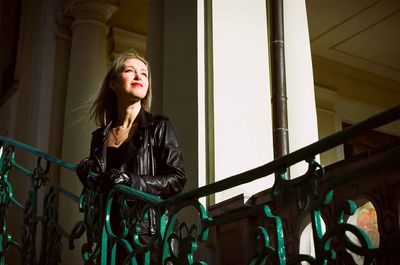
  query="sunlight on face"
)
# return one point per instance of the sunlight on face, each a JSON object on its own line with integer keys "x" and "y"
{"x": 132, "y": 84}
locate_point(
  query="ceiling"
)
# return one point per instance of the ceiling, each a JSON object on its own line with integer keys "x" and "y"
{"x": 363, "y": 34}
{"x": 131, "y": 16}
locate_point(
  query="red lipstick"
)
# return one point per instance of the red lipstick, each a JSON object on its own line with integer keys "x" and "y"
{"x": 137, "y": 84}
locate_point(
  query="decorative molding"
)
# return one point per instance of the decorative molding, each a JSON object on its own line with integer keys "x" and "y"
{"x": 94, "y": 10}
{"x": 325, "y": 110}
{"x": 90, "y": 21}
{"x": 320, "y": 62}
{"x": 325, "y": 94}
{"x": 130, "y": 39}
{"x": 354, "y": 111}
{"x": 344, "y": 21}
{"x": 351, "y": 110}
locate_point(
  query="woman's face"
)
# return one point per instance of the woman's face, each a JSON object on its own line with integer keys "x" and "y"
{"x": 132, "y": 83}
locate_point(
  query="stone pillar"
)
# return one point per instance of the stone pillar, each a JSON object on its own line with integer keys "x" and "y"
{"x": 87, "y": 68}
{"x": 302, "y": 113}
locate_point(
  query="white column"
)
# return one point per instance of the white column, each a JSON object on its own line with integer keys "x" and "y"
{"x": 87, "y": 68}
{"x": 302, "y": 115}
{"x": 242, "y": 106}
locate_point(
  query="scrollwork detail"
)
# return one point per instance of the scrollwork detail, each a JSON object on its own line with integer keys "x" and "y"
{"x": 51, "y": 236}
{"x": 305, "y": 187}
{"x": 91, "y": 204}
{"x": 335, "y": 242}
{"x": 30, "y": 216}
{"x": 5, "y": 198}
{"x": 180, "y": 245}
{"x": 266, "y": 254}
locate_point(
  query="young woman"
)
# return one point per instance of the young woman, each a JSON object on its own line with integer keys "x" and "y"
{"x": 132, "y": 146}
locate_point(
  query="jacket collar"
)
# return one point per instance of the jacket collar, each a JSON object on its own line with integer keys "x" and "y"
{"x": 145, "y": 120}
{"x": 99, "y": 137}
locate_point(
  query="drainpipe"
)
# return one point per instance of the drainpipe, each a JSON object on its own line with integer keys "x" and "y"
{"x": 278, "y": 80}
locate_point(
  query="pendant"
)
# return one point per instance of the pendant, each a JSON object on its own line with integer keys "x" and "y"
{"x": 116, "y": 142}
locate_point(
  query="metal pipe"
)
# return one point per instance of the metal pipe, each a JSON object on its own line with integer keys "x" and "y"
{"x": 278, "y": 80}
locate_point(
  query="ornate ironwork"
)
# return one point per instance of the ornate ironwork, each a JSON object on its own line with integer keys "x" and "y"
{"x": 180, "y": 244}
{"x": 129, "y": 226}
{"x": 304, "y": 187}
{"x": 30, "y": 216}
{"x": 267, "y": 254}
{"x": 51, "y": 236}
{"x": 91, "y": 203}
{"x": 6, "y": 196}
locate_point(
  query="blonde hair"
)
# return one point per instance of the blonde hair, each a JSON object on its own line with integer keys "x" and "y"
{"x": 104, "y": 109}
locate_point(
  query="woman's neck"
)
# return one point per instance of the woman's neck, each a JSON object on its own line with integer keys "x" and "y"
{"x": 127, "y": 115}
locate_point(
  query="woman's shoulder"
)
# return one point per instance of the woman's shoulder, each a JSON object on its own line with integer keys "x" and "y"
{"x": 161, "y": 117}
{"x": 160, "y": 122}
{"x": 150, "y": 118}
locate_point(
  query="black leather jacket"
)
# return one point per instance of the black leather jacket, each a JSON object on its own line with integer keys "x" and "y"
{"x": 153, "y": 163}
{"x": 154, "y": 160}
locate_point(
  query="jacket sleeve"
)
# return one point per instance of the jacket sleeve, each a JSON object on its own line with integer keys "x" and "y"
{"x": 170, "y": 175}
{"x": 91, "y": 163}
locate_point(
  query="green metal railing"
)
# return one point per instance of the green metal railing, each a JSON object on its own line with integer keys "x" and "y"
{"x": 108, "y": 234}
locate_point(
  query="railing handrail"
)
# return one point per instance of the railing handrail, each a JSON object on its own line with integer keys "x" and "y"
{"x": 283, "y": 162}
{"x": 102, "y": 238}
{"x": 292, "y": 158}
{"x": 39, "y": 153}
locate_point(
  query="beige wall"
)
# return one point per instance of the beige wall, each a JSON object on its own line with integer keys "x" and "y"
{"x": 350, "y": 95}
{"x": 352, "y": 83}
{"x": 326, "y": 126}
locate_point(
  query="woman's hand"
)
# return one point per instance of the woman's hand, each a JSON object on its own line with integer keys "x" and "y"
{"x": 117, "y": 177}
{"x": 83, "y": 170}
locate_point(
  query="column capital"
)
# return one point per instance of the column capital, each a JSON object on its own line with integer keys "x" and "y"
{"x": 95, "y": 10}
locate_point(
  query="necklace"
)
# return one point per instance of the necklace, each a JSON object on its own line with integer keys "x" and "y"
{"x": 117, "y": 139}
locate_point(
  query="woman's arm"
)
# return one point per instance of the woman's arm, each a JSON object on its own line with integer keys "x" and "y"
{"x": 170, "y": 176}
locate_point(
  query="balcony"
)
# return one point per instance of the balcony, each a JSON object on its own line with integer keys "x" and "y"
{"x": 344, "y": 213}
